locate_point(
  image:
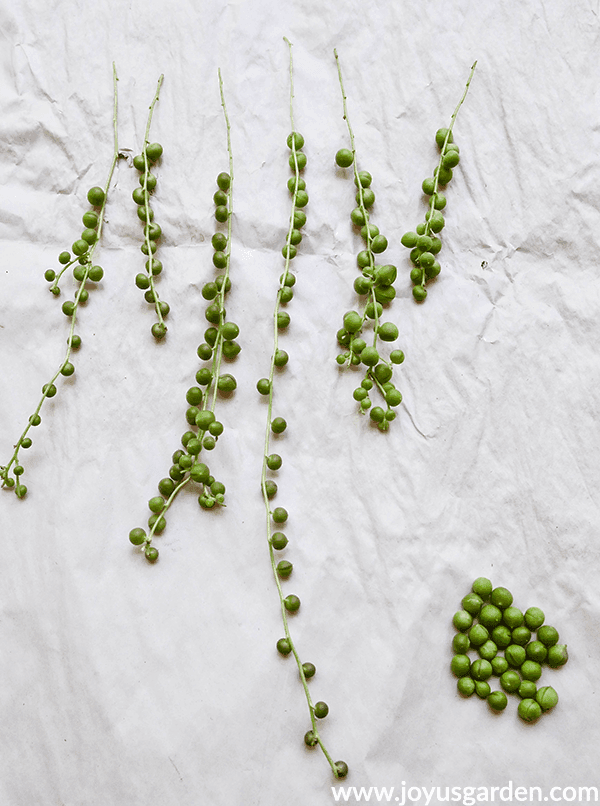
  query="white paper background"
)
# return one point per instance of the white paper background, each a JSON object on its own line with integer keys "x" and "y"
{"x": 127, "y": 683}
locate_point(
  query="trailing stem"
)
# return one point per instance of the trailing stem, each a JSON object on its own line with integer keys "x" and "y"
{"x": 220, "y": 344}
{"x": 84, "y": 271}
{"x": 361, "y": 204}
{"x": 277, "y": 540}
{"x": 151, "y": 152}
{"x": 376, "y": 284}
{"x": 424, "y": 243}
{"x": 448, "y": 138}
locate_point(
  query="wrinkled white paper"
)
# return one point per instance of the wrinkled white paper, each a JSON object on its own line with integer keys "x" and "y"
{"x": 126, "y": 683}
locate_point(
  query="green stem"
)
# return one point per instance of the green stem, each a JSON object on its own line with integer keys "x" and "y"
{"x": 115, "y": 159}
{"x": 61, "y": 272}
{"x": 218, "y": 354}
{"x": 361, "y": 204}
{"x": 164, "y": 511}
{"x": 210, "y": 397}
{"x": 294, "y": 195}
{"x": 267, "y": 443}
{"x": 365, "y": 214}
{"x": 442, "y": 151}
{"x": 4, "y": 470}
{"x": 147, "y": 198}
